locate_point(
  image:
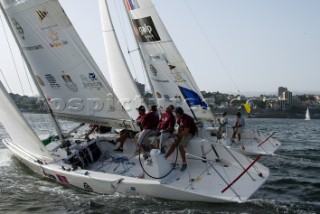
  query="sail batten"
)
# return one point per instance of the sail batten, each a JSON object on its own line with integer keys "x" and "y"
{"x": 63, "y": 68}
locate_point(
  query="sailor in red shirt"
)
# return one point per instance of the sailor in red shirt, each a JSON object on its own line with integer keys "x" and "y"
{"x": 166, "y": 126}
{"x": 142, "y": 114}
{"x": 124, "y": 133}
{"x": 149, "y": 124}
{"x": 187, "y": 129}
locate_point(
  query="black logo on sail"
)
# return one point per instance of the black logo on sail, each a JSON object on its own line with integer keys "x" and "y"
{"x": 69, "y": 83}
{"x": 145, "y": 30}
{"x": 18, "y": 28}
{"x": 42, "y": 14}
{"x": 52, "y": 81}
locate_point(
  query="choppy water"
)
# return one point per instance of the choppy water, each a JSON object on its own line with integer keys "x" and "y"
{"x": 293, "y": 187}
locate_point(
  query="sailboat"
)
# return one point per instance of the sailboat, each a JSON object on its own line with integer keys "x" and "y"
{"x": 168, "y": 75}
{"x": 75, "y": 89}
{"x": 307, "y": 116}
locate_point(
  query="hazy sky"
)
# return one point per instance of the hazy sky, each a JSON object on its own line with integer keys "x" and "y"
{"x": 252, "y": 46}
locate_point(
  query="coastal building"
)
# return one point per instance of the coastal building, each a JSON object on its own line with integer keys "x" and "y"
{"x": 281, "y": 90}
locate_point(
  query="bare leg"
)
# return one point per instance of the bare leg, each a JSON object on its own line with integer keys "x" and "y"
{"x": 234, "y": 134}
{"x": 239, "y": 137}
{"x": 122, "y": 138}
{"x": 171, "y": 149}
{"x": 183, "y": 154}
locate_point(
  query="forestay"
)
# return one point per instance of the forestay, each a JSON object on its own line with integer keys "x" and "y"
{"x": 122, "y": 81}
{"x": 168, "y": 74}
{"x": 19, "y": 129}
{"x": 63, "y": 68}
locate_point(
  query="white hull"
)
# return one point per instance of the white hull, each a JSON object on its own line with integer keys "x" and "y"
{"x": 253, "y": 141}
{"x": 99, "y": 176}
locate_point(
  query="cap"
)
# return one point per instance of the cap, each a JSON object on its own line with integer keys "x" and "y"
{"x": 141, "y": 108}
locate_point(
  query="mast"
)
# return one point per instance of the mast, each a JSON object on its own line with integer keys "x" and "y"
{"x": 54, "y": 120}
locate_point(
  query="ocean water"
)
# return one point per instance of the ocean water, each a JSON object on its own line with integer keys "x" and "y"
{"x": 293, "y": 186}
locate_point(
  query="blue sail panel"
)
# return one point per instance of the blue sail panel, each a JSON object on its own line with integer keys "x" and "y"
{"x": 192, "y": 98}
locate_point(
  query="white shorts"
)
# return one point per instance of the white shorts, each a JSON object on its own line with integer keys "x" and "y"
{"x": 164, "y": 138}
{"x": 142, "y": 136}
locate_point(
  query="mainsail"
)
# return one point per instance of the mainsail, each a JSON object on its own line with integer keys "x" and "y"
{"x": 19, "y": 129}
{"x": 169, "y": 75}
{"x": 307, "y": 116}
{"x": 63, "y": 68}
{"x": 122, "y": 81}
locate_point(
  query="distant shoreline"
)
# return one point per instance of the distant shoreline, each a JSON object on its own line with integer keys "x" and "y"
{"x": 271, "y": 114}
{"x": 231, "y": 112}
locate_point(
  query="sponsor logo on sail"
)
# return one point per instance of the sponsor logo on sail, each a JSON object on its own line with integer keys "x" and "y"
{"x": 19, "y": 29}
{"x": 166, "y": 96}
{"x": 171, "y": 67}
{"x": 145, "y": 30}
{"x": 69, "y": 83}
{"x": 158, "y": 95}
{"x": 178, "y": 98}
{"x": 55, "y": 38}
{"x": 91, "y": 81}
{"x": 92, "y": 76}
{"x": 52, "y": 81}
{"x": 42, "y": 14}
{"x": 39, "y": 80}
{"x": 153, "y": 70}
{"x": 155, "y": 57}
{"x": 178, "y": 77}
{"x": 49, "y": 27}
{"x": 33, "y": 48}
{"x": 58, "y": 44}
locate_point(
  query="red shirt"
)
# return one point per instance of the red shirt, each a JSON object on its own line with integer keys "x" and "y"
{"x": 167, "y": 120}
{"x": 140, "y": 119}
{"x": 151, "y": 121}
{"x": 187, "y": 122}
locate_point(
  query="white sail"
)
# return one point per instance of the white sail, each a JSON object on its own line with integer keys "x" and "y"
{"x": 307, "y": 116}
{"x": 170, "y": 78}
{"x": 122, "y": 81}
{"x": 63, "y": 68}
{"x": 19, "y": 129}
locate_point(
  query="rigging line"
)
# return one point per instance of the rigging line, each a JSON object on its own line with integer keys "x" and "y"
{"x": 14, "y": 62}
{"x": 5, "y": 80}
{"x": 212, "y": 46}
{"x": 138, "y": 49}
{"x": 121, "y": 23}
{"x": 32, "y": 91}
{"x": 26, "y": 72}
